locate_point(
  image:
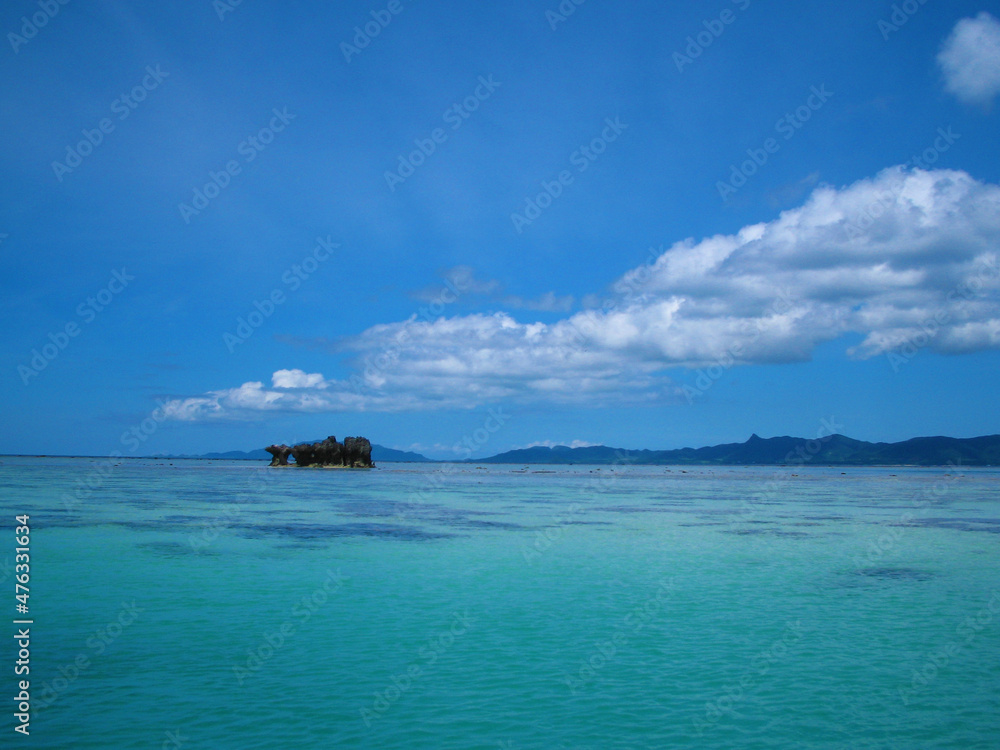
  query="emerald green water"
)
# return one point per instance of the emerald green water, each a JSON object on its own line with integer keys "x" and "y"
{"x": 222, "y": 605}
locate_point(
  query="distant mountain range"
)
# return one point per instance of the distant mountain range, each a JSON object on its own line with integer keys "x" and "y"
{"x": 834, "y": 450}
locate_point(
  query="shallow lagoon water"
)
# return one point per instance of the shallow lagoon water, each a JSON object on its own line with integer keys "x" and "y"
{"x": 221, "y": 604}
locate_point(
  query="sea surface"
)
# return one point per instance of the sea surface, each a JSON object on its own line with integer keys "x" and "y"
{"x": 213, "y": 604}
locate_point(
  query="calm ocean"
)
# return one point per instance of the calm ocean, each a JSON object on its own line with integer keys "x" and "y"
{"x": 209, "y": 604}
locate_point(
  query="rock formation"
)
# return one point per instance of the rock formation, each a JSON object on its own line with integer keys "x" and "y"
{"x": 354, "y": 452}
{"x": 280, "y": 453}
{"x": 357, "y": 452}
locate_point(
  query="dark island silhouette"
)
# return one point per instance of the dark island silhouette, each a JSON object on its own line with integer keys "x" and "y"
{"x": 353, "y": 453}
{"x": 831, "y": 450}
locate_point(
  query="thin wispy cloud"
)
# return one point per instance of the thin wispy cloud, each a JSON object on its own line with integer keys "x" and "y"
{"x": 548, "y": 302}
{"x": 460, "y": 284}
{"x": 461, "y": 281}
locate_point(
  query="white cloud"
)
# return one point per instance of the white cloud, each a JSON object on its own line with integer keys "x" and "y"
{"x": 889, "y": 258}
{"x": 553, "y": 444}
{"x": 970, "y": 59}
{"x": 297, "y": 379}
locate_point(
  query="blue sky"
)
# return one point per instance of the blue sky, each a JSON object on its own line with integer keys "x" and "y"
{"x": 639, "y": 224}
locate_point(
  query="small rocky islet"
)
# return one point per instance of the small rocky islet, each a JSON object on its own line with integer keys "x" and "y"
{"x": 353, "y": 453}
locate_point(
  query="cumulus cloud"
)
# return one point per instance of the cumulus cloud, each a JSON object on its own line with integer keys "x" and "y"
{"x": 970, "y": 59}
{"x": 908, "y": 255}
{"x": 251, "y": 399}
{"x": 297, "y": 379}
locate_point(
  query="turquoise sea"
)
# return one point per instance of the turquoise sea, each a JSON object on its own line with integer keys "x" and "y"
{"x": 212, "y": 604}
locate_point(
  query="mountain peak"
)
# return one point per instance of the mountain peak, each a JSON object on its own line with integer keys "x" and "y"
{"x": 755, "y": 438}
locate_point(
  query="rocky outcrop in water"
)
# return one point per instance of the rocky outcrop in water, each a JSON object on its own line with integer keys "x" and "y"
{"x": 357, "y": 451}
{"x": 280, "y": 453}
{"x": 354, "y": 453}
